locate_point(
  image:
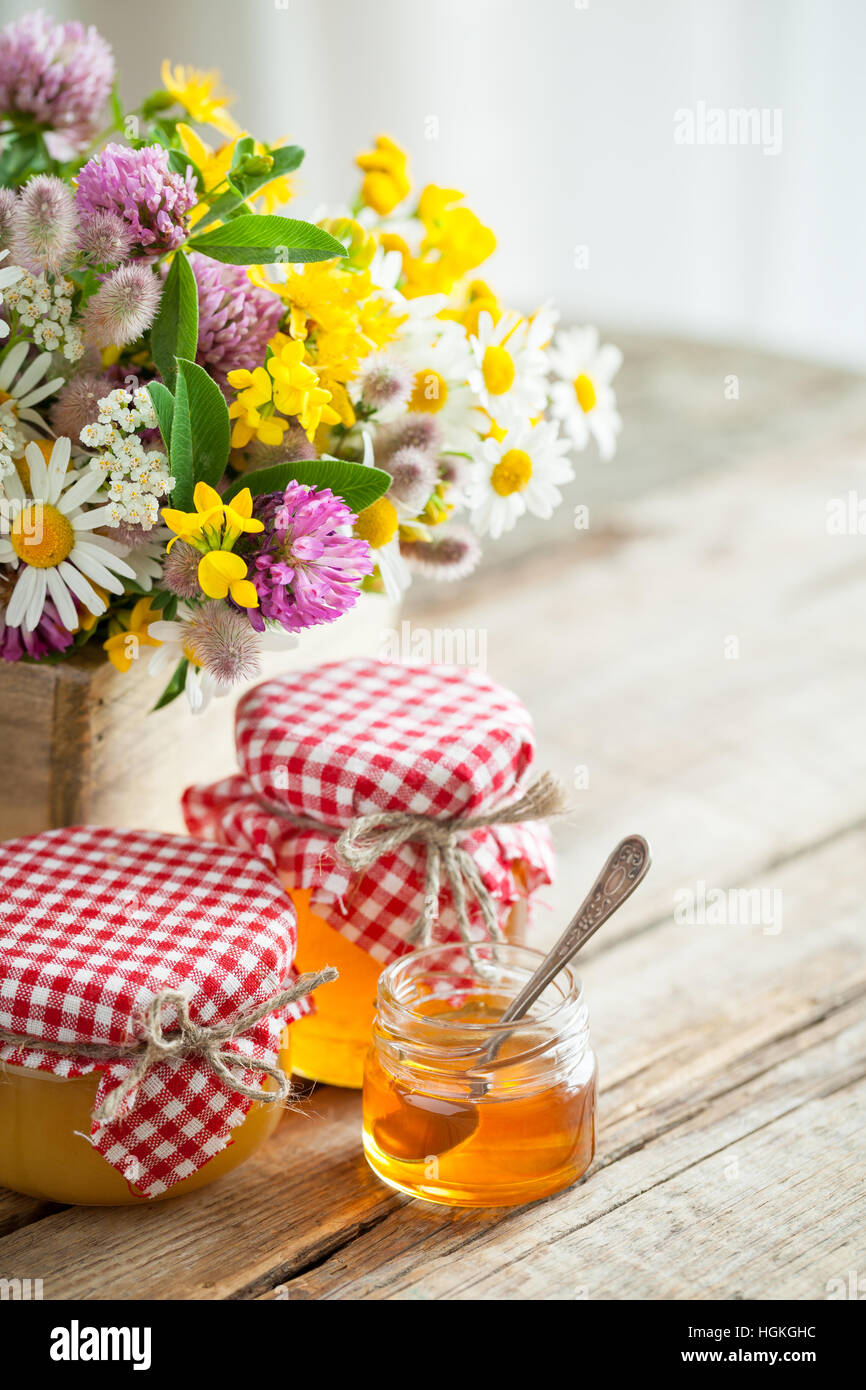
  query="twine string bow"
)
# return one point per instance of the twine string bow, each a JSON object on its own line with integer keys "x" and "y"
{"x": 157, "y": 1043}
{"x": 367, "y": 838}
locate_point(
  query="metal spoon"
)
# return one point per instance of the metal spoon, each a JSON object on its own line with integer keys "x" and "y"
{"x": 425, "y": 1126}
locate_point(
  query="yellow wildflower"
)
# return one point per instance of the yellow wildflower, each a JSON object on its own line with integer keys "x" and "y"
{"x": 297, "y": 390}
{"x": 455, "y": 242}
{"x": 202, "y": 528}
{"x": 130, "y": 635}
{"x": 193, "y": 526}
{"x": 213, "y": 528}
{"x": 253, "y": 410}
{"x": 222, "y": 573}
{"x": 293, "y": 377}
{"x": 386, "y": 175}
{"x": 479, "y": 298}
{"x": 199, "y": 94}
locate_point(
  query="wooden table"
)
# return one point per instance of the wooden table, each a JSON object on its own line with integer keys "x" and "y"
{"x": 697, "y": 657}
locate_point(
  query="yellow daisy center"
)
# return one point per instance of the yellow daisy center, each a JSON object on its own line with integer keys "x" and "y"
{"x": 497, "y": 368}
{"x": 511, "y": 473}
{"x": 377, "y": 524}
{"x": 585, "y": 392}
{"x": 41, "y": 535}
{"x": 189, "y": 653}
{"x": 429, "y": 392}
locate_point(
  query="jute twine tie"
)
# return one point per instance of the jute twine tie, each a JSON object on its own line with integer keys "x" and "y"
{"x": 367, "y": 838}
{"x": 186, "y": 1039}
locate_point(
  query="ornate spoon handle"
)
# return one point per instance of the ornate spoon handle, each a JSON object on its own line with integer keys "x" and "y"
{"x": 621, "y": 874}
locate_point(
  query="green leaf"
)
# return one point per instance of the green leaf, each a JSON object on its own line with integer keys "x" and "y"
{"x": 357, "y": 485}
{"x": 286, "y": 159}
{"x": 175, "y": 329}
{"x": 209, "y": 422}
{"x": 159, "y": 598}
{"x": 180, "y": 454}
{"x": 257, "y": 239}
{"x": 163, "y": 404}
{"x": 246, "y": 145}
{"x": 174, "y": 687}
{"x": 19, "y": 153}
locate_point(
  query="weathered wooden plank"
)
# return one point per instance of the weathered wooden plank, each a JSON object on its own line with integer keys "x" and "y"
{"x": 17, "y": 1211}
{"x": 702, "y": 670}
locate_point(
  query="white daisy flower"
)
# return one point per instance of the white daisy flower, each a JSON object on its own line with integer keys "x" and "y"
{"x": 395, "y": 573}
{"x": 441, "y": 367}
{"x": 52, "y": 536}
{"x": 27, "y": 388}
{"x": 542, "y": 326}
{"x": 583, "y": 398}
{"x": 509, "y": 375}
{"x": 520, "y": 473}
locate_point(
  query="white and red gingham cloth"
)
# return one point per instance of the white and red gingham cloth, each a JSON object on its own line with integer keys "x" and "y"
{"x": 362, "y": 736}
{"x": 93, "y": 924}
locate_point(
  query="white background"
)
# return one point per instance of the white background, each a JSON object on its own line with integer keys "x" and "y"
{"x": 557, "y": 120}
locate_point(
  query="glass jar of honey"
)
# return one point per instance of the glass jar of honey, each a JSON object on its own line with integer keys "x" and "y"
{"x": 147, "y": 996}
{"x": 372, "y": 744}
{"x": 45, "y": 1153}
{"x": 461, "y": 1110}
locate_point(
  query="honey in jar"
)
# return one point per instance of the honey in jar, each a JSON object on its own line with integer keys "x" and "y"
{"x": 45, "y": 1152}
{"x": 147, "y": 996}
{"x": 460, "y": 1111}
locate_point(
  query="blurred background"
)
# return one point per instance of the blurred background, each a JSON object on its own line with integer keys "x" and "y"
{"x": 557, "y": 119}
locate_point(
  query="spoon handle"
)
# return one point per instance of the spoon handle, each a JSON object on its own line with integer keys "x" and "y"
{"x": 622, "y": 873}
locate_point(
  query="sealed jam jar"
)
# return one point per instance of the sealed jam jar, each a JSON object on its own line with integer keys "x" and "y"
{"x": 461, "y": 1110}
{"x": 363, "y": 784}
{"x": 133, "y": 966}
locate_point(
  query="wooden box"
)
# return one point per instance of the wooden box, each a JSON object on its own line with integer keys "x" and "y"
{"x": 80, "y": 744}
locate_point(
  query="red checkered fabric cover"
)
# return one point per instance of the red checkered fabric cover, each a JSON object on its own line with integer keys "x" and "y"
{"x": 93, "y": 924}
{"x": 361, "y": 736}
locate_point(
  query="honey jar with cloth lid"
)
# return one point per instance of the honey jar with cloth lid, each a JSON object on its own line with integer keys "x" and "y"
{"x": 147, "y": 986}
{"x": 400, "y": 808}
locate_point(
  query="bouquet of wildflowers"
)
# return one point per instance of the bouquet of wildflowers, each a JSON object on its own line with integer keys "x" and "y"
{"x": 219, "y": 424}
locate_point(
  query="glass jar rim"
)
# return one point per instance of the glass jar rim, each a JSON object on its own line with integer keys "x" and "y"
{"x": 567, "y": 982}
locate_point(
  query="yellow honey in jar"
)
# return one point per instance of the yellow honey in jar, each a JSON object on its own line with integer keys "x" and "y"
{"x": 45, "y": 1152}
{"x": 331, "y": 1045}
{"x": 463, "y": 1111}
